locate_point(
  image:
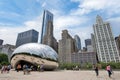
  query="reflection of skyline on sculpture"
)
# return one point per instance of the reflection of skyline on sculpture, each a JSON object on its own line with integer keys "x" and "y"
{"x": 34, "y": 54}
{"x": 38, "y": 49}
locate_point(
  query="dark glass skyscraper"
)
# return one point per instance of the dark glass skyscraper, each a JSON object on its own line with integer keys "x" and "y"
{"x": 27, "y": 37}
{"x": 47, "y": 16}
{"x": 1, "y": 41}
{"x": 47, "y": 36}
{"x": 77, "y": 42}
{"x": 87, "y": 42}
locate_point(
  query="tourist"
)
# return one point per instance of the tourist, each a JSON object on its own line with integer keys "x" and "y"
{"x": 18, "y": 67}
{"x": 38, "y": 67}
{"x": 96, "y": 68}
{"x": 24, "y": 69}
{"x": 109, "y": 70}
{"x": 2, "y": 69}
{"x": 8, "y": 68}
{"x": 41, "y": 67}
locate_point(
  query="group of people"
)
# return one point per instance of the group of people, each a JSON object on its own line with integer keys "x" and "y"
{"x": 28, "y": 68}
{"x": 25, "y": 68}
{"x": 108, "y": 69}
{"x": 5, "y": 68}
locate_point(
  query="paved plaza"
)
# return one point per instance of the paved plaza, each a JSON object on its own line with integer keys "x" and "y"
{"x": 60, "y": 75}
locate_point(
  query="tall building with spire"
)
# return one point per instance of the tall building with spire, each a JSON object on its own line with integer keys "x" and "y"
{"x": 105, "y": 44}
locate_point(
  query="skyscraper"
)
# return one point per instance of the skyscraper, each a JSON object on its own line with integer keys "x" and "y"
{"x": 47, "y": 31}
{"x": 87, "y": 42}
{"x": 77, "y": 42}
{"x": 48, "y": 37}
{"x": 27, "y": 37}
{"x": 1, "y": 41}
{"x": 117, "y": 39}
{"x": 105, "y": 44}
{"x": 66, "y": 47}
{"x": 47, "y": 16}
{"x": 93, "y": 42}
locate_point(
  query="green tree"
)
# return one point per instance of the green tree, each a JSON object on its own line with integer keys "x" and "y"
{"x": 3, "y": 59}
{"x": 68, "y": 66}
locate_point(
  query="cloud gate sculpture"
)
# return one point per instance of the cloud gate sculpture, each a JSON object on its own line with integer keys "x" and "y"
{"x": 34, "y": 54}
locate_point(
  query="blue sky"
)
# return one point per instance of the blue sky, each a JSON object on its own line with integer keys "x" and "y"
{"x": 77, "y": 16}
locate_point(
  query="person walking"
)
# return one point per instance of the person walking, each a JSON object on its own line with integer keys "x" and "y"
{"x": 109, "y": 70}
{"x": 41, "y": 67}
{"x": 3, "y": 69}
{"x": 96, "y": 69}
{"x": 8, "y": 68}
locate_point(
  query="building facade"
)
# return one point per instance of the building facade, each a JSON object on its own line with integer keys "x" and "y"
{"x": 47, "y": 31}
{"x": 1, "y": 41}
{"x": 27, "y": 37}
{"x": 93, "y": 42}
{"x": 105, "y": 44}
{"x": 90, "y": 48}
{"x": 84, "y": 57}
{"x": 117, "y": 39}
{"x": 66, "y": 47}
{"x": 77, "y": 42}
{"x": 87, "y": 42}
{"x": 48, "y": 38}
{"x": 47, "y": 16}
{"x": 7, "y": 49}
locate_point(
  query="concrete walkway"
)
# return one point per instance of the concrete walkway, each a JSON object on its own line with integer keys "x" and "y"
{"x": 60, "y": 75}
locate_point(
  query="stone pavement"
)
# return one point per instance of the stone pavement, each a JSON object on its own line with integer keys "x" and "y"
{"x": 60, "y": 75}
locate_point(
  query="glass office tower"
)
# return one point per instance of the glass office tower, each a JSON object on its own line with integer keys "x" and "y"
{"x": 27, "y": 37}
{"x": 47, "y": 16}
{"x": 77, "y": 42}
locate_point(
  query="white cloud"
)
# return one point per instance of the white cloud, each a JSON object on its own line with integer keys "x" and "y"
{"x": 69, "y": 20}
{"x": 110, "y": 7}
{"x": 115, "y": 24}
{"x": 75, "y": 22}
{"x": 9, "y": 34}
{"x": 74, "y": 25}
{"x": 44, "y": 4}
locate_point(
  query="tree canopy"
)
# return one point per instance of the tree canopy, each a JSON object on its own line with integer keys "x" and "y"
{"x": 3, "y": 59}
